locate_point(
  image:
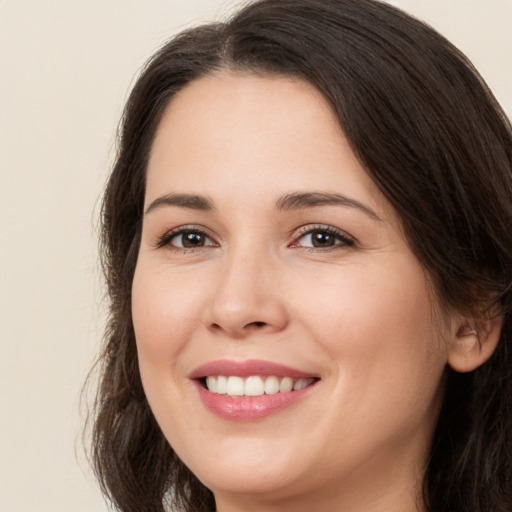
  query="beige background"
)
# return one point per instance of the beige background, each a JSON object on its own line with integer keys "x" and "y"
{"x": 66, "y": 67}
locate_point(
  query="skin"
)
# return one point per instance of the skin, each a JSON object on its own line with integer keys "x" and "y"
{"x": 360, "y": 315}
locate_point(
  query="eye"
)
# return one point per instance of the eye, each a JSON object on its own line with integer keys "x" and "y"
{"x": 186, "y": 238}
{"x": 322, "y": 237}
{"x": 190, "y": 239}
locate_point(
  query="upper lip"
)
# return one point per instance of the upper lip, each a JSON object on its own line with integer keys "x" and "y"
{"x": 248, "y": 368}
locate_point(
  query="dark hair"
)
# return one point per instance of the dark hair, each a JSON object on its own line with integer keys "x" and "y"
{"x": 429, "y": 133}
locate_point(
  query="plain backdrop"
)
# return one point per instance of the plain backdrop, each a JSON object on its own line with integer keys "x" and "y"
{"x": 66, "y": 69}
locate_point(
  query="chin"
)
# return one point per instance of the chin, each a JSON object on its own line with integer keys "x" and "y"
{"x": 246, "y": 467}
{"x": 248, "y": 480}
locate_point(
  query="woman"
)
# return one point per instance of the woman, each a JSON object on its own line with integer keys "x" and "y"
{"x": 306, "y": 239}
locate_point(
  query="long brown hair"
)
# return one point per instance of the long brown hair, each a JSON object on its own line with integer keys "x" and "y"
{"x": 430, "y": 134}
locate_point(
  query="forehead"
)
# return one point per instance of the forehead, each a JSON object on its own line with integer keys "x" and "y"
{"x": 258, "y": 133}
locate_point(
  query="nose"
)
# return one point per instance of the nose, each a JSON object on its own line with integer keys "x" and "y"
{"x": 247, "y": 298}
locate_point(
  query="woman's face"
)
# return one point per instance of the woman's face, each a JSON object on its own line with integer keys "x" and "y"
{"x": 270, "y": 260}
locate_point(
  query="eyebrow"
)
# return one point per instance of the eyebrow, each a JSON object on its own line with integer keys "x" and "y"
{"x": 300, "y": 200}
{"x": 294, "y": 201}
{"x": 192, "y": 201}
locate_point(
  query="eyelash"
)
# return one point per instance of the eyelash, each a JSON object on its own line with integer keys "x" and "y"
{"x": 166, "y": 239}
{"x": 344, "y": 239}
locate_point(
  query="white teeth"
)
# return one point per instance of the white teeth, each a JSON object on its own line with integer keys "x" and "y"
{"x": 235, "y": 386}
{"x": 301, "y": 384}
{"x": 222, "y": 384}
{"x": 254, "y": 385}
{"x": 211, "y": 384}
{"x": 271, "y": 385}
{"x": 286, "y": 385}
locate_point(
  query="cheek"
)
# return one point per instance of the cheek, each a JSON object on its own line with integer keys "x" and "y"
{"x": 163, "y": 318}
{"x": 377, "y": 301}
{"x": 378, "y": 325}
{"x": 163, "y": 315}
{"x": 386, "y": 357}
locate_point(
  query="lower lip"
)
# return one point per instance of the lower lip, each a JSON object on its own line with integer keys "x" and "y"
{"x": 249, "y": 408}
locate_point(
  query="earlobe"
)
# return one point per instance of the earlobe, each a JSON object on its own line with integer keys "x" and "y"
{"x": 474, "y": 342}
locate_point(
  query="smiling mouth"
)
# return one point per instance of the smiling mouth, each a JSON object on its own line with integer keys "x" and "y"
{"x": 251, "y": 390}
{"x": 254, "y": 385}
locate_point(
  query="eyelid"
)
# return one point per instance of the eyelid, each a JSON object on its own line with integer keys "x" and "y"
{"x": 348, "y": 240}
{"x": 165, "y": 239}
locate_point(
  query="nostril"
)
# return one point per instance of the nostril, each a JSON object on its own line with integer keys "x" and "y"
{"x": 257, "y": 324}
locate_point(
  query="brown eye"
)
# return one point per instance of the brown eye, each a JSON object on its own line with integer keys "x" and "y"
{"x": 190, "y": 239}
{"x": 323, "y": 239}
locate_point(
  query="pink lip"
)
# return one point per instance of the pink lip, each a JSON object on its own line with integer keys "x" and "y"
{"x": 248, "y": 408}
{"x": 247, "y": 368}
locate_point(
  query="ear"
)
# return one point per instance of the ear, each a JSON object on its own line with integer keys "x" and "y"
{"x": 474, "y": 342}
